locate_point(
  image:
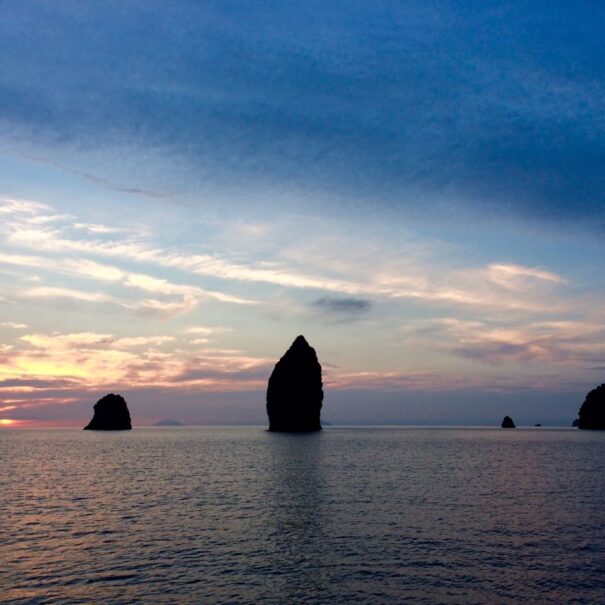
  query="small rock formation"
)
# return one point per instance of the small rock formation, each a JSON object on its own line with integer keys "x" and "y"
{"x": 507, "y": 423}
{"x": 592, "y": 412}
{"x": 168, "y": 422}
{"x": 111, "y": 414}
{"x": 576, "y": 423}
{"x": 537, "y": 424}
{"x": 295, "y": 390}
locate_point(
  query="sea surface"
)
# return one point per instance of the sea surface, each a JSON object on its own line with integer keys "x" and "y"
{"x": 348, "y": 515}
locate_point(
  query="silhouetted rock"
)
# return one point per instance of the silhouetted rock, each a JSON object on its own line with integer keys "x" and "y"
{"x": 537, "y": 424}
{"x": 576, "y": 422}
{"x": 168, "y": 422}
{"x": 507, "y": 423}
{"x": 111, "y": 414}
{"x": 592, "y": 412}
{"x": 294, "y": 393}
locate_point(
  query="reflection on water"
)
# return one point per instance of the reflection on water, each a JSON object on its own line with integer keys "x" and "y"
{"x": 346, "y": 515}
{"x": 297, "y": 523}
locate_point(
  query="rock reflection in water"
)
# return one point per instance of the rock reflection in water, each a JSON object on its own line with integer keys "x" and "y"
{"x": 297, "y": 520}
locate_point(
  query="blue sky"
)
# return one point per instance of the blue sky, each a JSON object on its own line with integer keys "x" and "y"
{"x": 416, "y": 187}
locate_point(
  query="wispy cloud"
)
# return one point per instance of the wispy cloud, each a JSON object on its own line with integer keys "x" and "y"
{"x": 278, "y": 179}
{"x": 91, "y": 270}
{"x": 52, "y": 292}
{"x": 570, "y": 343}
{"x": 440, "y": 381}
{"x": 95, "y": 228}
{"x": 521, "y": 314}
{"x": 495, "y": 286}
{"x": 89, "y": 360}
{"x": 96, "y": 180}
{"x": 205, "y": 330}
{"x": 515, "y": 277}
{"x": 151, "y": 306}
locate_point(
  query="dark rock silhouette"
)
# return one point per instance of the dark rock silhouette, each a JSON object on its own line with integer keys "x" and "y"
{"x": 576, "y": 422}
{"x": 111, "y": 414}
{"x": 592, "y": 412}
{"x": 537, "y": 424}
{"x": 507, "y": 423}
{"x": 168, "y": 422}
{"x": 295, "y": 390}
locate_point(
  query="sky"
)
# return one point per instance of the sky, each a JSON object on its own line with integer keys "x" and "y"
{"x": 417, "y": 187}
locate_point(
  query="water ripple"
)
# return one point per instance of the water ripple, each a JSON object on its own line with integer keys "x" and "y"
{"x": 345, "y": 516}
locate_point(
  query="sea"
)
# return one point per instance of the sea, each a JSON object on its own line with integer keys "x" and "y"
{"x": 346, "y": 515}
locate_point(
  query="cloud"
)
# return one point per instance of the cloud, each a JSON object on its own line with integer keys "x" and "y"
{"x": 570, "y": 343}
{"x": 13, "y": 325}
{"x": 257, "y": 375}
{"x": 30, "y": 384}
{"x": 79, "y": 295}
{"x": 12, "y": 207}
{"x": 56, "y": 368}
{"x": 141, "y": 341}
{"x": 93, "y": 340}
{"x": 400, "y": 104}
{"x": 344, "y": 308}
{"x": 205, "y": 330}
{"x": 433, "y": 381}
{"x": 163, "y": 308}
{"x": 146, "y": 306}
{"x": 99, "y": 181}
{"x": 516, "y": 277}
{"x": 83, "y": 268}
{"x": 495, "y": 286}
{"x": 493, "y": 352}
{"x": 95, "y": 228}
{"x": 92, "y": 270}
{"x": 458, "y": 314}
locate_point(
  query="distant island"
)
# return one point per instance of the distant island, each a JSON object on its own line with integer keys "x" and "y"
{"x": 295, "y": 390}
{"x": 592, "y": 411}
{"x": 168, "y": 422}
{"x": 507, "y": 423}
{"x": 110, "y": 414}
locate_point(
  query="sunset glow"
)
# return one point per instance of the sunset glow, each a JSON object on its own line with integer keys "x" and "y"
{"x": 169, "y": 237}
{"x": 302, "y": 302}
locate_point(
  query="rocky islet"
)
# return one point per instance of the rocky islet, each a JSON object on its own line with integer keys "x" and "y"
{"x": 295, "y": 390}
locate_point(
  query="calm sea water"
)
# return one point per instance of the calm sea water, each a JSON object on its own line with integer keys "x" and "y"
{"x": 240, "y": 515}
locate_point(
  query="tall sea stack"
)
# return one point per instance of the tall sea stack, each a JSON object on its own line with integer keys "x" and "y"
{"x": 592, "y": 412}
{"x": 111, "y": 414}
{"x": 295, "y": 390}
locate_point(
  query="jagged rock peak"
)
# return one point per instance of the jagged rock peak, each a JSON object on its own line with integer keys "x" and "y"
{"x": 300, "y": 341}
{"x": 507, "y": 423}
{"x": 592, "y": 411}
{"x": 110, "y": 414}
{"x": 295, "y": 390}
